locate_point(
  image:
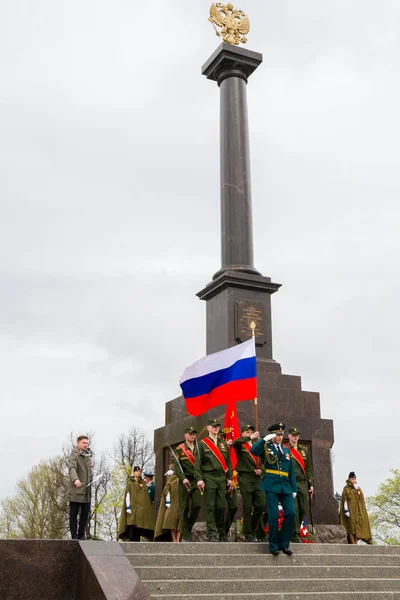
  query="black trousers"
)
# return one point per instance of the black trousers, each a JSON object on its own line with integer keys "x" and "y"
{"x": 78, "y": 533}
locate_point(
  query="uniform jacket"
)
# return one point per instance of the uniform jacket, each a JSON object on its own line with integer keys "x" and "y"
{"x": 168, "y": 518}
{"x": 279, "y": 476}
{"x": 300, "y": 475}
{"x": 358, "y": 522}
{"x": 245, "y": 462}
{"x": 79, "y": 468}
{"x": 142, "y": 511}
{"x": 187, "y": 467}
{"x": 208, "y": 466}
{"x": 151, "y": 488}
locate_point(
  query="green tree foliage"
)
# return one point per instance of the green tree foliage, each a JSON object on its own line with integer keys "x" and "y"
{"x": 384, "y": 510}
{"x": 40, "y": 506}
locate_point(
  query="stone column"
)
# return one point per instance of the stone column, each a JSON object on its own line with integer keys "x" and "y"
{"x": 231, "y": 66}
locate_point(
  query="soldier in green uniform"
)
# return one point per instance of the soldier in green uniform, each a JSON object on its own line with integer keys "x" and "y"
{"x": 137, "y": 517}
{"x": 189, "y": 493}
{"x": 250, "y": 476}
{"x": 279, "y": 483}
{"x": 304, "y": 479}
{"x": 213, "y": 473}
{"x": 231, "y": 499}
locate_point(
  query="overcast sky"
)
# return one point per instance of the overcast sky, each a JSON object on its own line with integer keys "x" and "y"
{"x": 109, "y": 188}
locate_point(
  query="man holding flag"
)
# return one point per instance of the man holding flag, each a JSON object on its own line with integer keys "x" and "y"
{"x": 224, "y": 377}
{"x": 189, "y": 494}
{"x": 250, "y": 476}
{"x": 213, "y": 473}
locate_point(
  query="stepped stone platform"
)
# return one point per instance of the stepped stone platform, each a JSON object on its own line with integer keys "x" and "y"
{"x": 239, "y": 571}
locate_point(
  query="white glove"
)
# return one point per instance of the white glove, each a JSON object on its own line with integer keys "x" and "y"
{"x": 128, "y": 510}
{"x": 268, "y": 437}
{"x": 294, "y": 494}
{"x": 346, "y": 513}
{"x": 355, "y": 486}
{"x": 128, "y": 500}
{"x": 168, "y": 500}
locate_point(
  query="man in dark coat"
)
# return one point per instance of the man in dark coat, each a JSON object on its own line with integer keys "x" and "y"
{"x": 279, "y": 483}
{"x": 80, "y": 477}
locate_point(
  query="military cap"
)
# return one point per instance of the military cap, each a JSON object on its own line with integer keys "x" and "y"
{"x": 277, "y": 428}
{"x": 213, "y": 422}
{"x": 190, "y": 430}
{"x": 146, "y": 474}
{"x": 352, "y": 474}
{"x": 137, "y": 468}
{"x": 294, "y": 431}
{"x": 246, "y": 427}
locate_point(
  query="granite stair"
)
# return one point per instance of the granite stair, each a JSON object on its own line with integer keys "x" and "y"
{"x": 239, "y": 571}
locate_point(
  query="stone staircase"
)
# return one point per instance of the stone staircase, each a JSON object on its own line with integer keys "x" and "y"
{"x": 246, "y": 571}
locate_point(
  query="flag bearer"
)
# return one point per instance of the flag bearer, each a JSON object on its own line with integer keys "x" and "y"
{"x": 213, "y": 473}
{"x": 189, "y": 493}
{"x": 250, "y": 476}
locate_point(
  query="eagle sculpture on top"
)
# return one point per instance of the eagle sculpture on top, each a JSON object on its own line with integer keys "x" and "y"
{"x": 233, "y": 24}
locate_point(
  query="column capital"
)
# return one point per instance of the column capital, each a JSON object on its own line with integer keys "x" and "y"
{"x": 231, "y": 61}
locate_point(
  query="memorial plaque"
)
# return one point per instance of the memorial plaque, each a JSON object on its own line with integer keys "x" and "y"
{"x": 247, "y": 311}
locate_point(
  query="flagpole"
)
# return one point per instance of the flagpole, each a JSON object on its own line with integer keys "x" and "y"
{"x": 253, "y": 328}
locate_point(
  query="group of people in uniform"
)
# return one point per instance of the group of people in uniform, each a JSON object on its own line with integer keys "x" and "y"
{"x": 269, "y": 475}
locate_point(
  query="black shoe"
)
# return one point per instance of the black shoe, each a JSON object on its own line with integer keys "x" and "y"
{"x": 275, "y": 552}
{"x": 212, "y": 539}
{"x": 249, "y": 538}
{"x": 287, "y": 551}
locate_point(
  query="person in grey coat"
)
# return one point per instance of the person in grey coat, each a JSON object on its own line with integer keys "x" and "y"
{"x": 80, "y": 476}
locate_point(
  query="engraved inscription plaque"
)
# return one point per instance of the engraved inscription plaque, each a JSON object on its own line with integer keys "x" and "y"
{"x": 247, "y": 311}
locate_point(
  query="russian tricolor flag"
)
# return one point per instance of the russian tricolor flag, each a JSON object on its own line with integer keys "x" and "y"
{"x": 219, "y": 378}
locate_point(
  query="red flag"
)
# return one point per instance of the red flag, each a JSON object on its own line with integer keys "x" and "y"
{"x": 231, "y": 430}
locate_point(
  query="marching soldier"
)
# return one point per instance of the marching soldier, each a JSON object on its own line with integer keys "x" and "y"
{"x": 250, "y": 476}
{"x": 304, "y": 479}
{"x": 189, "y": 493}
{"x": 213, "y": 473}
{"x": 279, "y": 483}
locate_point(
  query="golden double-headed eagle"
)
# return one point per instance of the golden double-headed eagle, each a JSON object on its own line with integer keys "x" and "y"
{"x": 233, "y": 24}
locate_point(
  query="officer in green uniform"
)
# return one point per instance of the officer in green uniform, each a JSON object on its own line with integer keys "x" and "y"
{"x": 304, "y": 479}
{"x": 250, "y": 476}
{"x": 231, "y": 499}
{"x": 279, "y": 483}
{"x": 189, "y": 493}
{"x": 213, "y": 473}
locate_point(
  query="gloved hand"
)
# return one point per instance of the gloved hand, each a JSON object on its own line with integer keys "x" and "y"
{"x": 294, "y": 494}
{"x": 128, "y": 510}
{"x": 269, "y": 437}
{"x": 346, "y": 513}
